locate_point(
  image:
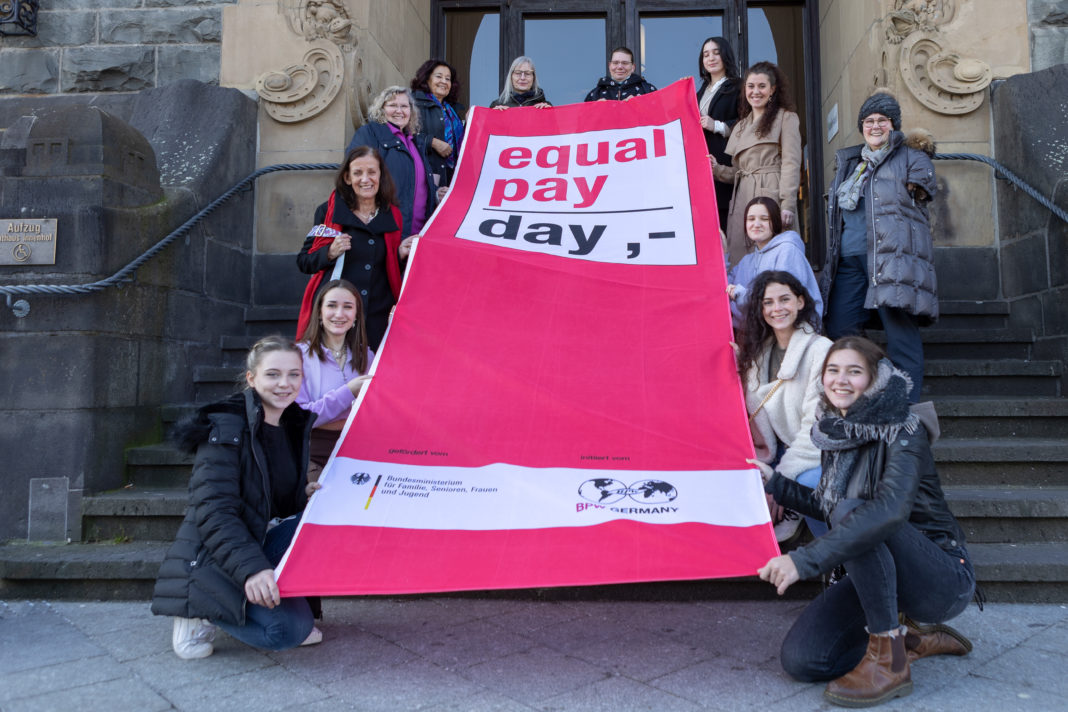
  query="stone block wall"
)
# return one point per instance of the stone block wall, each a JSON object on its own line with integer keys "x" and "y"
{"x": 1031, "y": 138}
{"x": 1049, "y": 32}
{"x": 113, "y": 46}
{"x": 82, "y": 376}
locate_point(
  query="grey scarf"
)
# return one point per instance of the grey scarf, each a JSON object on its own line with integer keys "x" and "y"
{"x": 849, "y": 191}
{"x": 879, "y": 414}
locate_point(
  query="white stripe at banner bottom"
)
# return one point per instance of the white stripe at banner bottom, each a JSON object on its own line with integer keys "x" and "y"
{"x": 503, "y": 496}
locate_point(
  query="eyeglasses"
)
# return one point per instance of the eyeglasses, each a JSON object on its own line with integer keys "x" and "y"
{"x": 522, "y": 73}
{"x": 870, "y": 123}
{"x": 623, "y": 63}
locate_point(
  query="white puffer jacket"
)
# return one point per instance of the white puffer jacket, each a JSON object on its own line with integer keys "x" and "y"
{"x": 788, "y": 415}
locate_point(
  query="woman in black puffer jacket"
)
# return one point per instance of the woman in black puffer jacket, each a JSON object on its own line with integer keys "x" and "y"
{"x": 891, "y": 530}
{"x": 248, "y": 488}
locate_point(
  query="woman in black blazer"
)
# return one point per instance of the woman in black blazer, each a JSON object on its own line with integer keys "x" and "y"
{"x": 718, "y": 102}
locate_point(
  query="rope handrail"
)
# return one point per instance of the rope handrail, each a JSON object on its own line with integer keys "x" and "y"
{"x": 1009, "y": 175}
{"x": 126, "y": 273}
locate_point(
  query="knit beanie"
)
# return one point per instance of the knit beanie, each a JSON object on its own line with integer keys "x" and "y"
{"x": 880, "y": 103}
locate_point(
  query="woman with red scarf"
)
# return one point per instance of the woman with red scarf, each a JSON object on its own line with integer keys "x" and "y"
{"x": 357, "y": 237}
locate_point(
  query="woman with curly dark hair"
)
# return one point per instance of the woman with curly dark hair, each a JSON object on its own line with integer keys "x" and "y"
{"x": 717, "y": 101}
{"x": 436, "y": 88}
{"x": 765, "y": 149}
{"x": 779, "y": 362}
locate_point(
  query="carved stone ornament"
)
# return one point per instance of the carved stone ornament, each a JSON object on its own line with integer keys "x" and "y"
{"x": 940, "y": 79}
{"x": 320, "y": 20}
{"x": 300, "y": 91}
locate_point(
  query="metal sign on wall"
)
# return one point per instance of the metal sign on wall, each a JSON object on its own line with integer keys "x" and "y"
{"x": 27, "y": 242}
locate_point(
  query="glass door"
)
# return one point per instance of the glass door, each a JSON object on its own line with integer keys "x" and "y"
{"x": 568, "y": 52}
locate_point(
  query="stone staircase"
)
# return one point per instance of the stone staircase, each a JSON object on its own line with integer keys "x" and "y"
{"x": 1003, "y": 459}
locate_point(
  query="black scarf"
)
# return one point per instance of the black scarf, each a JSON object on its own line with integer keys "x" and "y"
{"x": 880, "y": 413}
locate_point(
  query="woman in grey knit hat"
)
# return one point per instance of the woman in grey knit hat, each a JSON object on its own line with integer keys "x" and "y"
{"x": 879, "y": 253}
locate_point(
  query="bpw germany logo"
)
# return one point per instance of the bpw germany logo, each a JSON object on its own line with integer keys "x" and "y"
{"x": 606, "y": 491}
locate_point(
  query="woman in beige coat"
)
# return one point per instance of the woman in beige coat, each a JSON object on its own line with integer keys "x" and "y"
{"x": 765, "y": 146}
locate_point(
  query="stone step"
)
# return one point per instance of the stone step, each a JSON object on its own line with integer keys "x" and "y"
{"x": 267, "y": 320}
{"x": 979, "y": 417}
{"x": 1035, "y": 572}
{"x": 134, "y": 514}
{"x": 158, "y": 466}
{"x": 214, "y": 383}
{"x": 1022, "y": 573}
{"x": 1008, "y": 377}
{"x": 1006, "y": 462}
{"x": 235, "y": 347}
{"x": 968, "y": 343}
{"x": 956, "y": 314}
{"x": 1001, "y": 515}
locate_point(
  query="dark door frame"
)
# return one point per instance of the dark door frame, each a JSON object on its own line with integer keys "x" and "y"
{"x": 622, "y": 27}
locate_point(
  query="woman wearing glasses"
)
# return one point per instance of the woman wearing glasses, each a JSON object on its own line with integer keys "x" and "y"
{"x": 521, "y": 87}
{"x": 879, "y": 255}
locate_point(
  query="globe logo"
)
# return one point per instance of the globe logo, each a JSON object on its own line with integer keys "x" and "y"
{"x": 605, "y": 490}
{"x": 602, "y": 491}
{"x": 653, "y": 491}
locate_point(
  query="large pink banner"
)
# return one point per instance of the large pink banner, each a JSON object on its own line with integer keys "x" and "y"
{"x": 556, "y": 401}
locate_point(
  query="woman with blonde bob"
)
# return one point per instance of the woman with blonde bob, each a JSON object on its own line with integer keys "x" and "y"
{"x": 891, "y": 530}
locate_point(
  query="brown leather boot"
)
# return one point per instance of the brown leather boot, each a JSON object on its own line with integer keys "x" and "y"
{"x": 923, "y": 641}
{"x": 881, "y": 675}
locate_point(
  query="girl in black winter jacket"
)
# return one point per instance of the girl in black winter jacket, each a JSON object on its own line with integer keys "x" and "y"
{"x": 891, "y": 530}
{"x": 248, "y": 488}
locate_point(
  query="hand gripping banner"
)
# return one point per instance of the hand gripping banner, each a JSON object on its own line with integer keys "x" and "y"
{"x": 556, "y": 402}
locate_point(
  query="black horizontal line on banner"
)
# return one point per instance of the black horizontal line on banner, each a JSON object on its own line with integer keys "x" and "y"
{"x": 660, "y": 235}
{"x": 576, "y": 212}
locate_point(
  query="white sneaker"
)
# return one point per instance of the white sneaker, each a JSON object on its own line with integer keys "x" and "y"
{"x": 789, "y": 527}
{"x": 192, "y": 638}
{"x": 314, "y": 638}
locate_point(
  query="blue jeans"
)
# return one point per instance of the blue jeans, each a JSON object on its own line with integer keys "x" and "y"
{"x": 906, "y": 572}
{"x": 811, "y": 479}
{"x": 284, "y": 626}
{"x": 846, "y": 316}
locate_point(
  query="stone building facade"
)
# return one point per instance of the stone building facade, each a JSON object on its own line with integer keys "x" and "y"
{"x": 978, "y": 74}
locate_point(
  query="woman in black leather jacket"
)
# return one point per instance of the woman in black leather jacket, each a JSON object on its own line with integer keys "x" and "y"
{"x": 891, "y": 529}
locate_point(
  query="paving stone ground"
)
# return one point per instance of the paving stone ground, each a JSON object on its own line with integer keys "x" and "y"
{"x": 481, "y": 654}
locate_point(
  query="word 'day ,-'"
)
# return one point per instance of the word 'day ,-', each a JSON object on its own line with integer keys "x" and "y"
{"x": 616, "y": 195}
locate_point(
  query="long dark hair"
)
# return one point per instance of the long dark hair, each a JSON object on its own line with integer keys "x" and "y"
{"x": 774, "y": 213}
{"x": 730, "y": 64}
{"x": 755, "y": 330}
{"x": 422, "y": 76}
{"x": 355, "y": 338}
{"x": 387, "y": 192}
{"x": 780, "y": 97}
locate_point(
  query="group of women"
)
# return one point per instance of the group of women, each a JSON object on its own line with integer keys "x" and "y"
{"x": 838, "y": 436}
